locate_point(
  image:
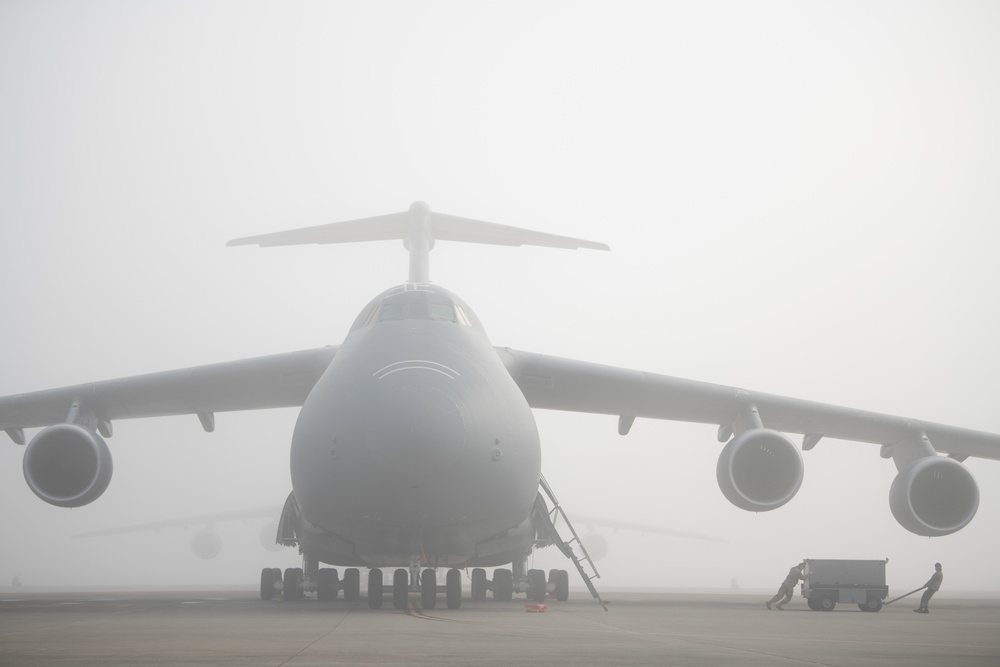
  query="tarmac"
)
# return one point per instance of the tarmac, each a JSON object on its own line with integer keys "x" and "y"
{"x": 235, "y": 627}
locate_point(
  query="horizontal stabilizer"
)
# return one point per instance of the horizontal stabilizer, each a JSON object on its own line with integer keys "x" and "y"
{"x": 380, "y": 228}
{"x": 452, "y": 228}
{"x": 396, "y": 226}
{"x": 418, "y": 228}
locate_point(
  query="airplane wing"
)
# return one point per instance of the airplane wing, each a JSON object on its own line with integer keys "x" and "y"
{"x": 564, "y": 384}
{"x": 759, "y": 468}
{"x": 275, "y": 381}
{"x": 206, "y": 542}
{"x": 264, "y": 512}
{"x": 641, "y": 528}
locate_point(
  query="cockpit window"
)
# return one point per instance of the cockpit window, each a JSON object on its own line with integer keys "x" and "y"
{"x": 391, "y": 311}
{"x": 463, "y": 319}
{"x": 372, "y": 316}
{"x": 416, "y": 303}
{"x": 417, "y": 309}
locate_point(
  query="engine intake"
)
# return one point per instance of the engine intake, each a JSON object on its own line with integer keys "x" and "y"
{"x": 934, "y": 496}
{"x": 68, "y": 466}
{"x": 206, "y": 544}
{"x": 760, "y": 470}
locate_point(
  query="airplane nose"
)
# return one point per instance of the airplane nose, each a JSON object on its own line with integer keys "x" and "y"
{"x": 416, "y": 430}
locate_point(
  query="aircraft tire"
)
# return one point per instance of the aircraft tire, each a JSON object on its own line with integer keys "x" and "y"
{"x": 292, "y": 590}
{"x": 562, "y": 585}
{"x": 266, "y": 584}
{"x": 453, "y": 589}
{"x": 503, "y": 585}
{"x": 352, "y": 584}
{"x": 375, "y": 589}
{"x": 327, "y": 584}
{"x": 478, "y": 584}
{"x": 536, "y": 585}
{"x": 873, "y": 604}
{"x": 428, "y": 589}
{"x": 400, "y": 588}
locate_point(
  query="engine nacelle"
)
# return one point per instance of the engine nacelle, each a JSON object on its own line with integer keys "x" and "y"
{"x": 596, "y": 545}
{"x": 760, "y": 470}
{"x": 934, "y": 496}
{"x": 206, "y": 544}
{"x": 68, "y": 466}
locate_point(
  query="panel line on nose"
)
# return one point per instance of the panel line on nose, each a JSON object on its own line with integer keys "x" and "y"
{"x": 416, "y": 364}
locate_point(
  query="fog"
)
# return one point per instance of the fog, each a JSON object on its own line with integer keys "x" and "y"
{"x": 801, "y": 198}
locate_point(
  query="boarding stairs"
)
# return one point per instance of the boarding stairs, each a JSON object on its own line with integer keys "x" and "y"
{"x": 547, "y": 534}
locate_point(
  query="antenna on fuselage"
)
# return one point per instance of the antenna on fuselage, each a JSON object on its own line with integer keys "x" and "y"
{"x": 418, "y": 228}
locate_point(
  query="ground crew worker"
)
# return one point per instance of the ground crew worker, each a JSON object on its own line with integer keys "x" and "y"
{"x": 787, "y": 588}
{"x": 932, "y": 586}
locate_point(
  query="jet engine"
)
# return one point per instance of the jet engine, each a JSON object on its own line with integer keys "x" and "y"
{"x": 206, "y": 544}
{"x": 596, "y": 546}
{"x": 934, "y": 496}
{"x": 760, "y": 470}
{"x": 68, "y": 466}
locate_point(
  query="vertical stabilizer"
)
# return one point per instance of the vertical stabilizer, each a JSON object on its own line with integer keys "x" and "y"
{"x": 419, "y": 242}
{"x": 418, "y": 228}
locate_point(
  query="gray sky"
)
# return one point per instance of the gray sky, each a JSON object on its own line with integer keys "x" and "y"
{"x": 801, "y": 198}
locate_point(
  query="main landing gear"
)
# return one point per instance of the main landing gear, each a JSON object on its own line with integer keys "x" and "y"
{"x": 532, "y": 583}
{"x": 310, "y": 578}
{"x": 327, "y": 583}
{"x": 404, "y": 581}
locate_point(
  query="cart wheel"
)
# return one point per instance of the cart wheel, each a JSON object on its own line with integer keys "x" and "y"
{"x": 873, "y": 604}
{"x": 827, "y": 603}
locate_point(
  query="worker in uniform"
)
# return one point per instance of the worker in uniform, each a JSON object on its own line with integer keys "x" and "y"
{"x": 931, "y": 587}
{"x": 787, "y": 588}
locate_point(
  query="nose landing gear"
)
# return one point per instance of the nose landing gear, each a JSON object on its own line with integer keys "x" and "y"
{"x": 425, "y": 583}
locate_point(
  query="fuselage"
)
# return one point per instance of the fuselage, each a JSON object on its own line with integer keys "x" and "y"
{"x": 415, "y": 441}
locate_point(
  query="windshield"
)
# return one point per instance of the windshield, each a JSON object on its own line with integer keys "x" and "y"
{"x": 420, "y": 302}
{"x": 416, "y": 311}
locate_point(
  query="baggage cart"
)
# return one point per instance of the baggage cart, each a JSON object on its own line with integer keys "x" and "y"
{"x": 829, "y": 582}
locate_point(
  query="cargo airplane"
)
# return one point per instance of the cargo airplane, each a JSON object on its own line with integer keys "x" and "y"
{"x": 416, "y": 448}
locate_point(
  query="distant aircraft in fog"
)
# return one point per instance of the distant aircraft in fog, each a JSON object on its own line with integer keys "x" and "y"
{"x": 416, "y": 447}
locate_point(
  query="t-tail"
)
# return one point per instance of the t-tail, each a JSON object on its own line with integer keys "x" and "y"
{"x": 418, "y": 228}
